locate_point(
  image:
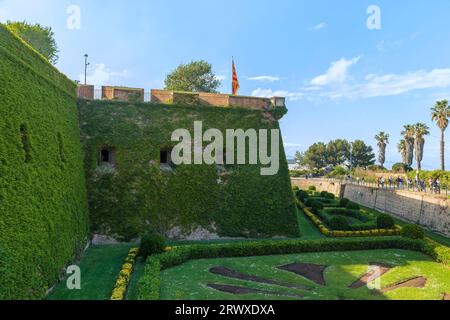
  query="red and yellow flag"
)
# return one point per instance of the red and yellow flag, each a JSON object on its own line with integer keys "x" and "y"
{"x": 235, "y": 84}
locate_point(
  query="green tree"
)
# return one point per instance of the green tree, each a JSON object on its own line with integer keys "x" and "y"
{"x": 409, "y": 135}
{"x": 440, "y": 114}
{"x": 362, "y": 155}
{"x": 316, "y": 156}
{"x": 196, "y": 76}
{"x": 338, "y": 152}
{"x": 300, "y": 158}
{"x": 39, "y": 37}
{"x": 382, "y": 141}
{"x": 421, "y": 130}
{"x": 403, "y": 150}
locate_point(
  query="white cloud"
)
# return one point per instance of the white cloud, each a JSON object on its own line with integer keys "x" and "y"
{"x": 221, "y": 77}
{"x": 336, "y": 84}
{"x": 390, "y": 84}
{"x": 269, "y": 93}
{"x": 102, "y": 75}
{"x": 381, "y": 46}
{"x": 292, "y": 145}
{"x": 395, "y": 84}
{"x": 319, "y": 26}
{"x": 337, "y": 73}
{"x": 264, "y": 78}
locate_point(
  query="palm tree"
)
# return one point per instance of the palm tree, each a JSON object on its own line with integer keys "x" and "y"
{"x": 420, "y": 130}
{"x": 440, "y": 114}
{"x": 382, "y": 139}
{"x": 402, "y": 148}
{"x": 409, "y": 135}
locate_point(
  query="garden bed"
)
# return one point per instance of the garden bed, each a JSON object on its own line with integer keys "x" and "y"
{"x": 328, "y": 276}
{"x": 150, "y": 283}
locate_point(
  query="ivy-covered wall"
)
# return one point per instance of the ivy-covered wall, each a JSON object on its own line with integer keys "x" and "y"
{"x": 137, "y": 195}
{"x": 43, "y": 207}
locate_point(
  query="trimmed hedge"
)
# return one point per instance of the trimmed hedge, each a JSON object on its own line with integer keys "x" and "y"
{"x": 385, "y": 221}
{"x": 413, "y": 231}
{"x": 43, "y": 208}
{"x": 149, "y": 284}
{"x": 362, "y": 233}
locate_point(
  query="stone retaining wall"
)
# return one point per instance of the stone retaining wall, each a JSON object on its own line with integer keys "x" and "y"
{"x": 430, "y": 211}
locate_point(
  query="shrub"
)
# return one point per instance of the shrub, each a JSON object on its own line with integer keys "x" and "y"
{"x": 312, "y": 188}
{"x": 295, "y": 188}
{"x": 385, "y": 221}
{"x": 437, "y": 251}
{"x": 344, "y": 202}
{"x": 327, "y": 195}
{"x": 376, "y": 168}
{"x": 353, "y": 206}
{"x": 123, "y": 280}
{"x": 401, "y": 167}
{"x": 316, "y": 206}
{"x": 151, "y": 243}
{"x": 302, "y": 195}
{"x": 337, "y": 172}
{"x": 338, "y": 223}
{"x": 412, "y": 231}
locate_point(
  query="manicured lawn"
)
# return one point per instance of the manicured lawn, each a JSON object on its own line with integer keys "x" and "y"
{"x": 138, "y": 272}
{"x": 190, "y": 281}
{"x": 308, "y": 230}
{"x": 99, "y": 266}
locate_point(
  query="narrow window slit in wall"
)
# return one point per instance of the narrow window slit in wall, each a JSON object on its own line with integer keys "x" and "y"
{"x": 165, "y": 160}
{"x": 107, "y": 157}
{"x": 62, "y": 154}
{"x": 25, "y": 143}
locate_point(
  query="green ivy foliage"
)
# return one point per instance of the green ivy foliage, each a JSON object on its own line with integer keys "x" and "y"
{"x": 137, "y": 196}
{"x": 43, "y": 207}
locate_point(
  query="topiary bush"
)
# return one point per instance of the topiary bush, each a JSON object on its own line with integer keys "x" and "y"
{"x": 338, "y": 223}
{"x": 309, "y": 202}
{"x": 344, "y": 202}
{"x": 353, "y": 206}
{"x": 385, "y": 221}
{"x": 316, "y": 206}
{"x": 327, "y": 195}
{"x": 302, "y": 195}
{"x": 151, "y": 243}
{"x": 413, "y": 231}
{"x": 401, "y": 167}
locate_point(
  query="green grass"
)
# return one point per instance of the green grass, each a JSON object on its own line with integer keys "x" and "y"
{"x": 138, "y": 272}
{"x": 188, "y": 281}
{"x": 100, "y": 267}
{"x": 308, "y": 230}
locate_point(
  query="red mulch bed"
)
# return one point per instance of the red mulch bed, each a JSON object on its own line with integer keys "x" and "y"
{"x": 226, "y": 272}
{"x": 418, "y": 282}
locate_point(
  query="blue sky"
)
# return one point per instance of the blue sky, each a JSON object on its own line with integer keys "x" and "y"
{"x": 342, "y": 80}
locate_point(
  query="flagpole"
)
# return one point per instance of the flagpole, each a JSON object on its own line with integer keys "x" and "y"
{"x": 232, "y": 73}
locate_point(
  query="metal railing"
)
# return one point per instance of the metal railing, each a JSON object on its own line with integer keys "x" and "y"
{"x": 394, "y": 186}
